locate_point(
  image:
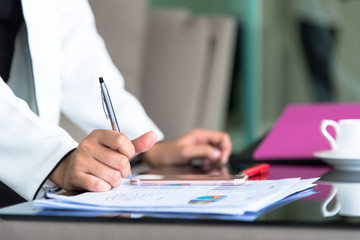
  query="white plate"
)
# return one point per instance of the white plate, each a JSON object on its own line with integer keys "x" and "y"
{"x": 341, "y": 162}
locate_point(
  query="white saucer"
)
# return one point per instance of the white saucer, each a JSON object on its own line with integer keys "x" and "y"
{"x": 339, "y": 161}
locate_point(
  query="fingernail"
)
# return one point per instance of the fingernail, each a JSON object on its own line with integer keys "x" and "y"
{"x": 104, "y": 186}
{"x": 216, "y": 154}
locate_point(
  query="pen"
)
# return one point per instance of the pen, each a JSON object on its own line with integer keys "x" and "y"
{"x": 108, "y": 108}
{"x": 258, "y": 169}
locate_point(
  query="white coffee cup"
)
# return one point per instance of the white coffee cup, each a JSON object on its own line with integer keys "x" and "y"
{"x": 347, "y": 139}
{"x": 347, "y": 200}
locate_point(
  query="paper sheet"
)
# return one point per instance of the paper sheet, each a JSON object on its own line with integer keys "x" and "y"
{"x": 234, "y": 200}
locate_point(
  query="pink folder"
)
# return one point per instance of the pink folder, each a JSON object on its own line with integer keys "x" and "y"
{"x": 296, "y": 134}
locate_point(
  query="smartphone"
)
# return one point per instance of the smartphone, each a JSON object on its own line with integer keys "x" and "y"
{"x": 186, "y": 180}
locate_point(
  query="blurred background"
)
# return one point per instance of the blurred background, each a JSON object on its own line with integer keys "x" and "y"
{"x": 232, "y": 65}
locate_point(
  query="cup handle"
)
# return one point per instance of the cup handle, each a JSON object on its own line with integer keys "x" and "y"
{"x": 337, "y": 207}
{"x": 323, "y": 128}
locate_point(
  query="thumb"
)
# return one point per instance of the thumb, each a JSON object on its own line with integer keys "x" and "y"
{"x": 144, "y": 142}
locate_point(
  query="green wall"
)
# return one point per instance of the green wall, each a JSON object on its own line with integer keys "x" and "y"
{"x": 232, "y": 7}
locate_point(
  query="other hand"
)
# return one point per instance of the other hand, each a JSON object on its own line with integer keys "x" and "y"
{"x": 212, "y": 147}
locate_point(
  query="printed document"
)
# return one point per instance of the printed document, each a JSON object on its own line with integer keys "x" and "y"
{"x": 231, "y": 200}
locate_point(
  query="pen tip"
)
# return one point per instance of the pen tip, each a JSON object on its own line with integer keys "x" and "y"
{"x": 101, "y": 79}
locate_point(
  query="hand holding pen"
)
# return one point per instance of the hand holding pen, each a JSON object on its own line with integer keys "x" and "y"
{"x": 110, "y": 113}
{"x": 100, "y": 161}
{"x": 108, "y": 108}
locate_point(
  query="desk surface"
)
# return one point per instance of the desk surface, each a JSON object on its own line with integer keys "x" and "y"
{"x": 292, "y": 218}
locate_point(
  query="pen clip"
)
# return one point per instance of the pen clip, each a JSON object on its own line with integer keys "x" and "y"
{"x": 103, "y": 105}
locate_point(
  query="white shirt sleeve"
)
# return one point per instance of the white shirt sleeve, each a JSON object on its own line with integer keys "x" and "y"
{"x": 30, "y": 148}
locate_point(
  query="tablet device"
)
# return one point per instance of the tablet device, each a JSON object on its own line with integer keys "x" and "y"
{"x": 189, "y": 179}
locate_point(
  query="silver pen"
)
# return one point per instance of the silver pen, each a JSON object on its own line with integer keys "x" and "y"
{"x": 108, "y": 108}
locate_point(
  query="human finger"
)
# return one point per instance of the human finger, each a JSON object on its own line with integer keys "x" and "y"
{"x": 144, "y": 142}
{"x": 114, "y": 140}
{"x": 226, "y": 148}
{"x": 111, "y": 158}
{"x": 112, "y": 176}
{"x": 216, "y": 138}
{"x": 85, "y": 181}
{"x": 204, "y": 151}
